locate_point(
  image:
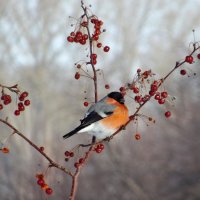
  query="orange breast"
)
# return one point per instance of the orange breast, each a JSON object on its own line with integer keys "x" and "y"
{"x": 119, "y": 116}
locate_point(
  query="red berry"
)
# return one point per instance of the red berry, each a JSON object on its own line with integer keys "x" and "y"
{"x": 70, "y": 39}
{"x": 189, "y": 59}
{"x": 135, "y": 90}
{"x": 138, "y": 70}
{"x": 82, "y": 41}
{"x": 101, "y": 146}
{"x": 93, "y": 61}
{"x": 72, "y": 34}
{"x": 137, "y": 136}
{"x": 161, "y": 101}
{"x": 164, "y": 94}
{"x": 40, "y": 182}
{"x": 77, "y": 76}
{"x": 86, "y": 104}
{"x": 98, "y": 150}
{"x": 67, "y": 153}
{"x": 71, "y": 154}
{"x": 41, "y": 148}
{"x": 157, "y": 96}
{"x": 95, "y": 37}
{"x": 24, "y": 94}
{"x": 49, "y": 191}
{"x": 107, "y": 86}
{"x": 99, "y": 45}
{"x": 93, "y": 56}
{"x": 76, "y": 165}
{"x": 122, "y": 89}
{"x": 151, "y": 93}
{"x": 138, "y": 98}
{"x": 198, "y": 56}
{"x": 183, "y": 72}
{"x": 27, "y": 102}
{"x": 167, "y": 114}
{"x": 85, "y": 37}
{"x": 154, "y": 87}
{"x": 81, "y": 160}
{"x": 17, "y": 112}
{"x": 1, "y": 106}
{"x": 106, "y": 48}
{"x": 21, "y": 108}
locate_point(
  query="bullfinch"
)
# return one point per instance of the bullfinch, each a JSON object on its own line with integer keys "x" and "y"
{"x": 104, "y": 117}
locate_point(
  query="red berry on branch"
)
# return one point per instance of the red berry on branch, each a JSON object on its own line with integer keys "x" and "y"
{"x": 86, "y": 104}
{"x": 198, "y": 56}
{"x": 183, "y": 72}
{"x": 1, "y": 106}
{"x": 151, "y": 93}
{"x": 167, "y": 114}
{"x": 99, "y": 45}
{"x": 135, "y": 90}
{"x": 137, "y": 136}
{"x": 138, "y": 99}
{"x": 154, "y": 87}
{"x": 27, "y": 102}
{"x": 71, "y": 154}
{"x": 70, "y": 39}
{"x": 67, "y": 153}
{"x": 24, "y": 94}
{"x": 161, "y": 101}
{"x": 157, "y": 96}
{"x": 106, "y": 48}
{"x": 164, "y": 94}
{"x": 72, "y": 34}
{"x": 49, "y": 191}
{"x": 81, "y": 160}
{"x": 77, "y": 76}
{"x": 189, "y": 59}
{"x": 21, "y": 108}
{"x": 40, "y": 182}
{"x": 85, "y": 37}
{"x": 82, "y": 41}
{"x": 93, "y": 56}
{"x": 101, "y": 146}
{"x": 138, "y": 70}
{"x": 17, "y": 112}
{"x": 107, "y": 86}
{"x": 76, "y": 165}
{"x": 41, "y": 148}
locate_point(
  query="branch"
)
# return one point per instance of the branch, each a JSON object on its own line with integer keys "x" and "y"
{"x": 51, "y": 162}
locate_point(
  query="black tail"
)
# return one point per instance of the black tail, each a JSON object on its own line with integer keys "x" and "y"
{"x": 72, "y": 132}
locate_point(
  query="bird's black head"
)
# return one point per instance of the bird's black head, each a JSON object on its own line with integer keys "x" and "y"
{"x": 117, "y": 96}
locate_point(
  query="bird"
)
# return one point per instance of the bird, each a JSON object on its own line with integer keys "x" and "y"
{"x": 104, "y": 117}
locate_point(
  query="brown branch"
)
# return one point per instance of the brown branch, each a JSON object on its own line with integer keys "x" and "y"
{"x": 51, "y": 162}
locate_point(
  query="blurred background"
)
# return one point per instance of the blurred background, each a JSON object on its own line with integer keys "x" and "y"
{"x": 150, "y": 34}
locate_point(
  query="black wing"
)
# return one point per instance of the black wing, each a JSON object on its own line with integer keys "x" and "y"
{"x": 90, "y": 119}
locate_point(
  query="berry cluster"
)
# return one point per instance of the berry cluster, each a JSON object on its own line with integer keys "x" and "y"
{"x": 88, "y": 28}
{"x": 99, "y": 148}
{"x": 188, "y": 59}
{"x": 82, "y": 33}
{"x": 23, "y": 102}
{"x": 6, "y": 99}
{"x": 69, "y": 154}
{"x": 41, "y": 182}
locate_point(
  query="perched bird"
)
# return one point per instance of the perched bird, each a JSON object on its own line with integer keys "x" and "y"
{"x": 104, "y": 117}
